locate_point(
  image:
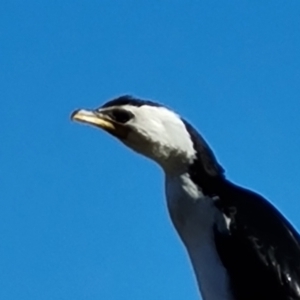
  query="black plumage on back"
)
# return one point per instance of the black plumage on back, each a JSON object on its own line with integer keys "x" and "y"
{"x": 261, "y": 249}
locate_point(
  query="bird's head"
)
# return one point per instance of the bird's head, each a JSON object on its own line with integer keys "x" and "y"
{"x": 148, "y": 128}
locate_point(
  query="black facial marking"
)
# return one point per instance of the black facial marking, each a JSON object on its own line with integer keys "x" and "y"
{"x": 120, "y": 115}
{"x": 129, "y": 100}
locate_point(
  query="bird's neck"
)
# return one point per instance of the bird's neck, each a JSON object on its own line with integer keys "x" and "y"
{"x": 201, "y": 167}
{"x": 190, "y": 174}
{"x": 195, "y": 216}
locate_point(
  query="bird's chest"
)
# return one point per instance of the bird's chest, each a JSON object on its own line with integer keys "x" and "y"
{"x": 194, "y": 217}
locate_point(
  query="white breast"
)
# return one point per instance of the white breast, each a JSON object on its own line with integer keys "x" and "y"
{"x": 194, "y": 216}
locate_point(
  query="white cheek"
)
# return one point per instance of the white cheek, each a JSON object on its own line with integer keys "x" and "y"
{"x": 160, "y": 134}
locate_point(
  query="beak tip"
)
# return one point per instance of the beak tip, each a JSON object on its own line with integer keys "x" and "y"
{"x": 73, "y": 114}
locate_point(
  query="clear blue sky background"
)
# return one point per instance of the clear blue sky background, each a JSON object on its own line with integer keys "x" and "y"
{"x": 83, "y": 218}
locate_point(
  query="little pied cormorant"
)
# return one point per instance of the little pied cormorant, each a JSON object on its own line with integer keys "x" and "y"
{"x": 240, "y": 246}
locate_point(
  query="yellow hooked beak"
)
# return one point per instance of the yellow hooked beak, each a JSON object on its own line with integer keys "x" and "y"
{"x": 100, "y": 120}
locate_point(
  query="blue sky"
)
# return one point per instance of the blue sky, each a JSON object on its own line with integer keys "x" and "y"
{"x": 81, "y": 216}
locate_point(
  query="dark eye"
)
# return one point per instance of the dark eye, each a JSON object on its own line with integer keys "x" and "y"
{"x": 120, "y": 115}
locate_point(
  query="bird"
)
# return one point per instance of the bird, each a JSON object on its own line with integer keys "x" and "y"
{"x": 240, "y": 245}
